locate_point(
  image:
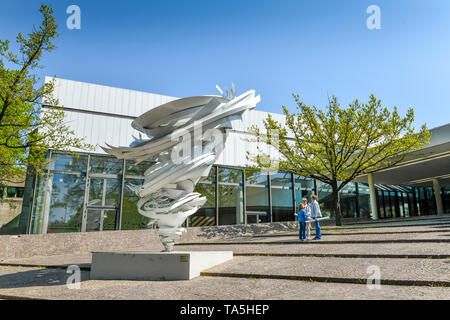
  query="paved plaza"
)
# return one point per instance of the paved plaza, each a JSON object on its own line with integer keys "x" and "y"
{"x": 413, "y": 259}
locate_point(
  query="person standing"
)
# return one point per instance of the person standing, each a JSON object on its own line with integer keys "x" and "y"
{"x": 301, "y": 216}
{"x": 307, "y": 207}
{"x": 316, "y": 214}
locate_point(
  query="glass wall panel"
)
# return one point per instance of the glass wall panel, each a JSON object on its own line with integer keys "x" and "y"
{"x": 282, "y": 200}
{"x": 230, "y": 196}
{"x": 131, "y": 218}
{"x": 41, "y": 203}
{"x": 446, "y": 198}
{"x": 348, "y": 201}
{"x": 304, "y": 188}
{"x": 404, "y": 197}
{"x": 423, "y": 201}
{"x": 105, "y": 165}
{"x": 101, "y": 220}
{"x": 132, "y": 169}
{"x": 68, "y": 162}
{"x": 66, "y": 203}
{"x": 257, "y": 196}
{"x": 382, "y": 212}
{"x": 325, "y": 194}
{"x": 418, "y": 204}
{"x": 364, "y": 200}
{"x": 206, "y": 215}
{"x": 391, "y": 204}
{"x": 104, "y": 192}
{"x": 431, "y": 200}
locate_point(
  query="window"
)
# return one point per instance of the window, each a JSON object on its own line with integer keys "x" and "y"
{"x": 231, "y": 204}
{"x": 282, "y": 200}
{"x": 257, "y": 196}
{"x": 206, "y": 215}
{"x": 13, "y": 192}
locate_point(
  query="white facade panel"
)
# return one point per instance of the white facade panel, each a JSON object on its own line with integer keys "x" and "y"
{"x": 103, "y": 114}
{"x": 98, "y": 98}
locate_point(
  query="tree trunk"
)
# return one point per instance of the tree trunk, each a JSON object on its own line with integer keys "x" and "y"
{"x": 337, "y": 206}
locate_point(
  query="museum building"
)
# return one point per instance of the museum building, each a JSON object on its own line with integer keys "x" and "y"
{"x": 97, "y": 188}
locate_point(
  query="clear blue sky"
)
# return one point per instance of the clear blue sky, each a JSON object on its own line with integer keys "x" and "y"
{"x": 313, "y": 48}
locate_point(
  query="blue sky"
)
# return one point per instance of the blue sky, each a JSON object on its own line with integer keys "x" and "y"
{"x": 313, "y": 48}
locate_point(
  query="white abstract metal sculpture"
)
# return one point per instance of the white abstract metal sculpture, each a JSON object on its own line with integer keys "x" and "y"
{"x": 186, "y": 136}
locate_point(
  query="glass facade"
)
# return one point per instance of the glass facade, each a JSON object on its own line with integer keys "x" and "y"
{"x": 363, "y": 200}
{"x": 231, "y": 196}
{"x": 282, "y": 196}
{"x": 257, "y": 196}
{"x": 445, "y": 194}
{"x": 325, "y": 195}
{"x": 206, "y": 215}
{"x": 349, "y": 201}
{"x": 83, "y": 192}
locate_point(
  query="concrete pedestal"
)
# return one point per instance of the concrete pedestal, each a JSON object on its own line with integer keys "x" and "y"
{"x": 154, "y": 265}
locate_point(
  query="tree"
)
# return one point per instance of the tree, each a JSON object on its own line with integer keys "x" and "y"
{"x": 27, "y": 129}
{"x": 337, "y": 145}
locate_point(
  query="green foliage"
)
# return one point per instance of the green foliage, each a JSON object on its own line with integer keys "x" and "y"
{"x": 337, "y": 144}
{"x": 27, "y": 130}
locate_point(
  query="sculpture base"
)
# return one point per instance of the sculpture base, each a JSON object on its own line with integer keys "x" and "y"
{"x": 176, "y": 265}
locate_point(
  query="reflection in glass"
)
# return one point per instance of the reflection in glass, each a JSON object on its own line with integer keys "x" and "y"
{"x": 405, "y": 204}
{"x": 392, "y": 198}
{"x": 137, "y": 170}
{"x": 282, "y": 201}
{"x": 445, "y": 191}
{"x": 68, "y": 162}
{"x": 257, "y": 196}
{"x": 100, "y": 220}
{"x": 348, "y": 201}
{"x": 104, "y": 192}
{"x": 304, "y": 188}
{"x": 364, "y": 200}
{"x": 325, "y": 198}
{"x": 230, "y": 197}
{"x": 230, "y": 205}
{"x": 66, "y": 203}
{"x": 206, "y": 215}
{"x": 41, "y": 201}
{"x": 131, "y": 218}
{"x": 230, "y": 175}
{"x": 105, "y": 165}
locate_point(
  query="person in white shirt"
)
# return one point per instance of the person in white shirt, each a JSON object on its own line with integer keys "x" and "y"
{"x": 316, "y": 214}
{"x": 308, "y": 215}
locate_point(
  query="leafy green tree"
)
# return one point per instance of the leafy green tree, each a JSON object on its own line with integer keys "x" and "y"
{"x": 336, "y": 145}
{"x": 27, "y": 129}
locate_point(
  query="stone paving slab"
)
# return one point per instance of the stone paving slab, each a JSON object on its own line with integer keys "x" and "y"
{"x": 382, "y": 232}
{"x": 347, "y": 237}
{"x": 365, "y": 237}
{"x": 336, "y": 234}
{"x": 361, "y": 248}
{"x": 83, "y": 260}
{"x": 356, "y": 268}
{"x": 51, "y": 284}
{"x": 295, "y": 248}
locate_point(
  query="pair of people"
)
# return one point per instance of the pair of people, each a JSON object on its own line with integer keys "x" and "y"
{"x": 305, "y": 213}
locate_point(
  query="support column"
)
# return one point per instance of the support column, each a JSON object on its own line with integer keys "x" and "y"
{"x": 373, "y": 198}
{"x": 437, "y": 196}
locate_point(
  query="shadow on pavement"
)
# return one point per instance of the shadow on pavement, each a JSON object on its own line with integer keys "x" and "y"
{"x": 38, "y": 277}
